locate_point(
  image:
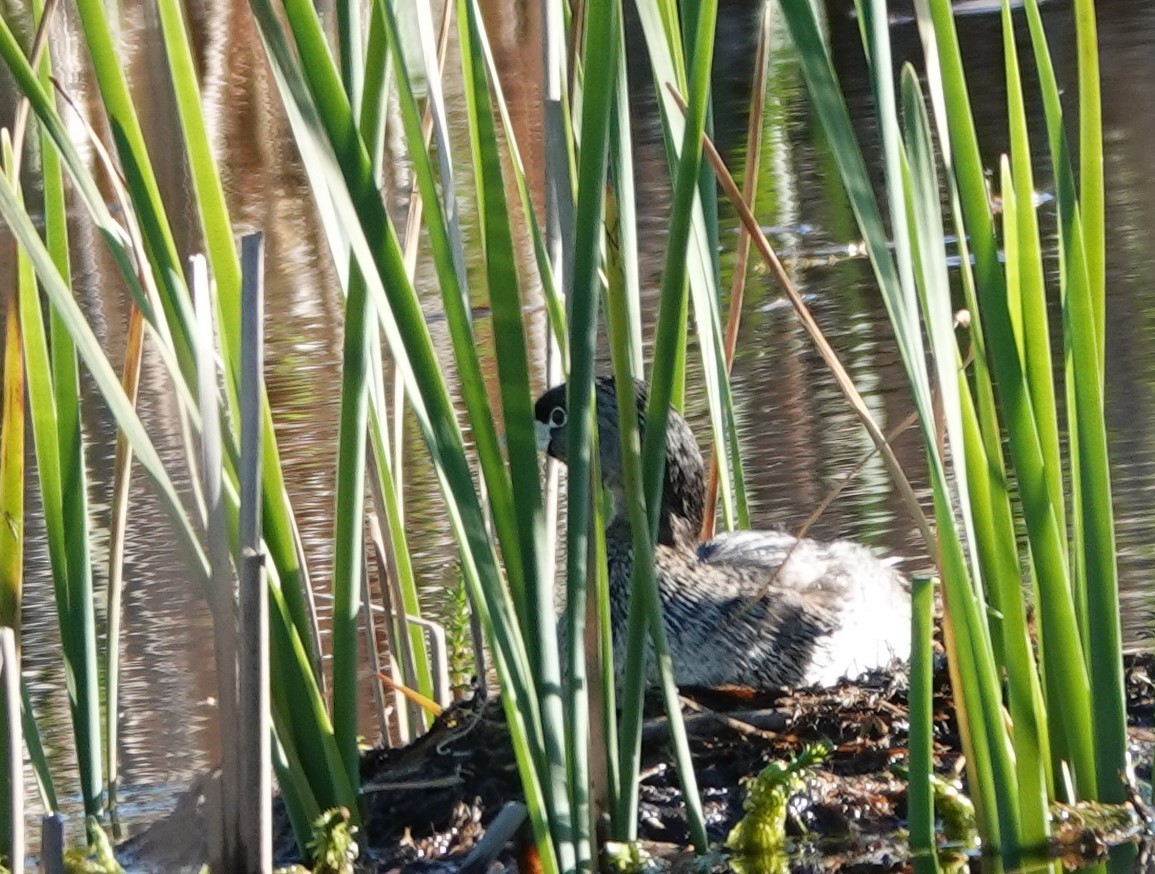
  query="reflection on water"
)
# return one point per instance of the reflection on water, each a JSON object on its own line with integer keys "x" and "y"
{"x": 798, "y": 436}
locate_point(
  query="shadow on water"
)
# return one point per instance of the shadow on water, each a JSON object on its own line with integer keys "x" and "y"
{"x": 799, "y": 438}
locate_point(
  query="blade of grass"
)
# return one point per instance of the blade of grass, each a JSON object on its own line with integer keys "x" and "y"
{"x": 112, "y": 82}
{"x": 517, "y": 410}
{"x": 741, "y": 263}
{"x": 36, "y": 755}
{"x": 1103, "y": 726}
{"x": 60, "y": 464}
{"x": 216, "y": 225}
{"x": 1091, "y": 194}
{"x": 12, "y": 470}
{"x": 664, "y": 43}
{"x": 667, "y": 346}
{"x": 920, "y": 796}
{"x": 351, "y": 191}
{"x": 600, "y": 27}
{"x": 349, "y": 520}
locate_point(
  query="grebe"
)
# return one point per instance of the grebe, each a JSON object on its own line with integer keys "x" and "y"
{"x": 761, "y": 609}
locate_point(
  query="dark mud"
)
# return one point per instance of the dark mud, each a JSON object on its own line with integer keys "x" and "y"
{"x": 429, "y": 803}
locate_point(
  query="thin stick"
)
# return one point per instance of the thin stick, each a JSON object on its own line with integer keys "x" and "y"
{"x": 742, "y": 255}
{"x": 841, "y": 377}
{"x": 220, "y": 592}
{"x": 373, "y": 651}
{"x": 52, "y": 844}
{"x": 256, "y": 794}
{"x": 397, "y": 627}
{"x": 118, "y": 524}
{"x": 20, "y": 125}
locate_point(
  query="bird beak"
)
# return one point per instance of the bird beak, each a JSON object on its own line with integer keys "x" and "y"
{"x": 543, "y": 433}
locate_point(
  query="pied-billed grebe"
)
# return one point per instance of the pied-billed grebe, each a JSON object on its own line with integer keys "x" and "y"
{"x": 752, "y": 608}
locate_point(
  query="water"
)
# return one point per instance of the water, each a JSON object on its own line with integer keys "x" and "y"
{"x": 798, "y": 436}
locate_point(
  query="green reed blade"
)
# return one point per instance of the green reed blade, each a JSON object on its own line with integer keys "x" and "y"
{"x": 622, "y": 249}
{"x": 1090, "y": 464}
{"x": 988, "y": 750}
{"x": 36, "y": 755}
{"x": 668, "y": 348}
{"x": 1023, "y": 683}
{"x": 446, "y": 246}
{"x": 920, "y": 797}
{"x": 350, "y": 51}
{"x": 928, "y": 245}
{"x": 598, "y": 86}
{"x": 300, "y": 805}
{"x": 12, "y": 465}
{"x": 517, "y": 410}
{"x": 509, "y": 335}
{"x": 375, "y": 96}
{"x": 900, "y": 297}
{"x": 89, "y": 348}
{"x": 345, "y": 187}
{"x": 664, "y": 44}
{"x": 349, "y": 520}
{"x": 66, "y": 383}
{"x": 85, "y": 186}
{"x": 1037, "y": 357}
{"x": 208, "y": 190}
{"x": 1091, "y": 194}
{"x": 112, "y": 81}
{"x": 279, "y": 528}
{"x": 298, "y": 711}
{"x": 62, "y": 488}
{"x": 554, "y": 303}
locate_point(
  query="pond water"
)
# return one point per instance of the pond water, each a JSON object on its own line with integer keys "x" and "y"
{"x": 799, "y": 438}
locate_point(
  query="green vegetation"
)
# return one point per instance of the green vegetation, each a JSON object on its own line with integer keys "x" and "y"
{"x": 1034, "y": 448}
{"x": 762, "y": 831}
{"x": 1068, "y": 737}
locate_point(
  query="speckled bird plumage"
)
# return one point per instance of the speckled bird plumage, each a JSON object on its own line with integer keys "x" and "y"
{"x": 753, "y": 608}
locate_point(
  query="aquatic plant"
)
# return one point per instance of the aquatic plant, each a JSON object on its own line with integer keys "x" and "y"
{"x": 339, "y": 94}
{"x": 333, "y": 846}
{"x": 335, "y": 98}
{"x": 96, "y": 857}
{"x": 1066, "y": 708}
{"x": 762, "y": 830}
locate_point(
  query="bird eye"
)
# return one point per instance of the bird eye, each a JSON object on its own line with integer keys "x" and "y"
{"x": 557, "y": 417}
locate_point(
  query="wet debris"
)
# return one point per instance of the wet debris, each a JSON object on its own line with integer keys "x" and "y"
{"x": 430, "y": 804}
{"x": 445, "y": 789}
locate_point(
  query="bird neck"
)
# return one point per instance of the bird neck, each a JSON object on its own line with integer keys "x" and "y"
{"x": 683, "y": 499}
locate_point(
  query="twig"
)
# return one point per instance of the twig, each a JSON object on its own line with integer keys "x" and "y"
{"x": 742, "y": 255}
{"x": 841, "y": 377}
